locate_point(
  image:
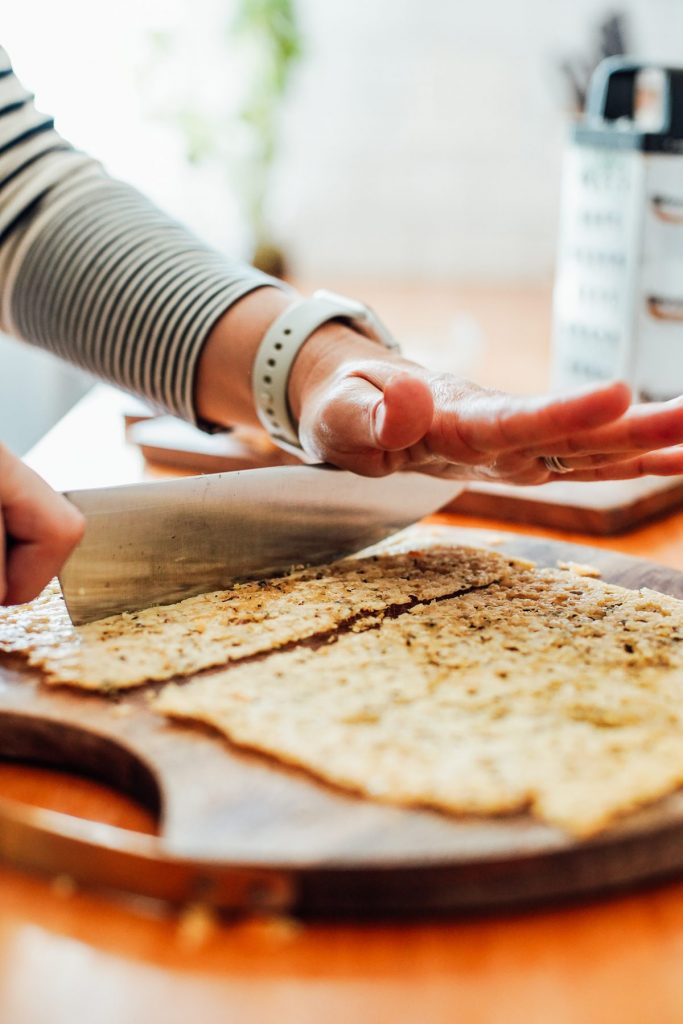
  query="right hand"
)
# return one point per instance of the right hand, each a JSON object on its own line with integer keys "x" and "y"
{"x": 38, "y": 531}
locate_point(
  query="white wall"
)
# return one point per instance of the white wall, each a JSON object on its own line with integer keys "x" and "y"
{"x": 426, "y": 137}
{"x": 420, "y": 138}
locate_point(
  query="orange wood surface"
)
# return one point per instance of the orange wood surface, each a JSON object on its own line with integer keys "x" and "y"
{"x": 70, "y": 956}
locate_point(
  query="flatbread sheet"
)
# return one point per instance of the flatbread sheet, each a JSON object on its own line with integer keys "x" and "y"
{"x": 546, "y": 691}
{"x": 214, "y": 629}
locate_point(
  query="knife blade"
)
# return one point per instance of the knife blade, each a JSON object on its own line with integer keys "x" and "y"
{"x": 156, "y": 543}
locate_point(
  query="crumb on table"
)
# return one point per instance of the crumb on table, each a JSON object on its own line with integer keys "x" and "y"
{"x": 580, "y": 569}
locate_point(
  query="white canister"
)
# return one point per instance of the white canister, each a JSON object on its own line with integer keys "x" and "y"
{"x": 618, "y": 307}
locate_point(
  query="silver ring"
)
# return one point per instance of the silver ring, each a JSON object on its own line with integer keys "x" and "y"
{"x": 555, "y": 464}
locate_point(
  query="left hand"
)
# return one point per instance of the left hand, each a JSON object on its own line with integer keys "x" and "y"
{"x": 375, "y": 416}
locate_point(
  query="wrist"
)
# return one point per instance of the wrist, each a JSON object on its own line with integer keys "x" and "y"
{"x": 223, "y": 391}
{"x": 223, "y": 382}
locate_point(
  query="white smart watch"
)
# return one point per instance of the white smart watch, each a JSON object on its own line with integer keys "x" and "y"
{"x": 280, "y": 346}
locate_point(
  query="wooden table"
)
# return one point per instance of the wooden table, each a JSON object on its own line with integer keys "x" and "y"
{"x": 68, "y": 956}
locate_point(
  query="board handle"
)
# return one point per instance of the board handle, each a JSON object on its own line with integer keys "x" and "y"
{"x": 105, "y": 857}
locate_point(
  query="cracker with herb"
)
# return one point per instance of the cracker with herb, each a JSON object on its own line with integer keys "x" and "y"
{"x": 541, "y": 691}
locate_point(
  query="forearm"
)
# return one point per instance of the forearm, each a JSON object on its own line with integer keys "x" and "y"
{"x": 92, "y": 271}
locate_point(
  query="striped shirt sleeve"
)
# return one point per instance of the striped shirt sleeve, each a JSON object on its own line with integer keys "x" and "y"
{"x": 92, "y": 271}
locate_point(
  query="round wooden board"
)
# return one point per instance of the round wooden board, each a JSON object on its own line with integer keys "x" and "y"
{"x": 241, "y": 831}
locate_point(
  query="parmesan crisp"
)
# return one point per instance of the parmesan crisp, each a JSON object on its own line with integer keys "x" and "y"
{"x": 544, "y": 691}
{"x": 214, "y": 629}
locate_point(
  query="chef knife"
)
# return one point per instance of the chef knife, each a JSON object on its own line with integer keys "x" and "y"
{"x": 160, "y": 542}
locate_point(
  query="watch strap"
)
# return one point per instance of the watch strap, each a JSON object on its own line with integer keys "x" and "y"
{"x": 280, "y": 347}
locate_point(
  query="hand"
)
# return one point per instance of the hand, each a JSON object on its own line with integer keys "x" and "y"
{"x": 377, "y": 415}
{"x": 38, "y": 531}
{"x": 367, "y": 410}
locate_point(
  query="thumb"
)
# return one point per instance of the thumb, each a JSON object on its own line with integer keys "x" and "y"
{"x": 403, "y": 414}
{"x": 382, "y": 408}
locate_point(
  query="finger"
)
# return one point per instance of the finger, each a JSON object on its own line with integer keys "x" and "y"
{"x": 31, "y": 566}
{"x": 379, "y": 410}
{"x": 405, "y": 413}
{"x": 643, "y": 428}
{"x": 666, "y": 462}
{"x": 577, "y": 463}
{"x": 395, "y": 407}
{"x": 43, "y": 528}
{"x": 488, "y": 422}
{"x": 515, "y": 469}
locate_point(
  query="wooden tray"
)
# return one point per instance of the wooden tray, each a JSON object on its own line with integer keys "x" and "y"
{"x": 167, "y": 441}
{"x": 604, "y": 508}
{"x": 241, "y": 832}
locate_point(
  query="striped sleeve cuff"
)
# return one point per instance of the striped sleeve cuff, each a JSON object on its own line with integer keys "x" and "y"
{"x": 111, "y": 283}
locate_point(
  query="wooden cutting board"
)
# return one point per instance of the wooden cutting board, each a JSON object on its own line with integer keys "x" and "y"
{"x": 241, "y": 832}
{"x": 603, "y": 508}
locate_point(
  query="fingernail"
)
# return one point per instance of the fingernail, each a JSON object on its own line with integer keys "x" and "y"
{"x": 378, "y": 416}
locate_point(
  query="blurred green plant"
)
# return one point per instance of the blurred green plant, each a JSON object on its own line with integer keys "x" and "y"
{"x": 267, "y": 35}
{"x": 271, "y": 29}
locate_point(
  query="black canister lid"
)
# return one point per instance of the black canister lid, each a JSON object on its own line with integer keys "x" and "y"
{"x": 610, "y": 121}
